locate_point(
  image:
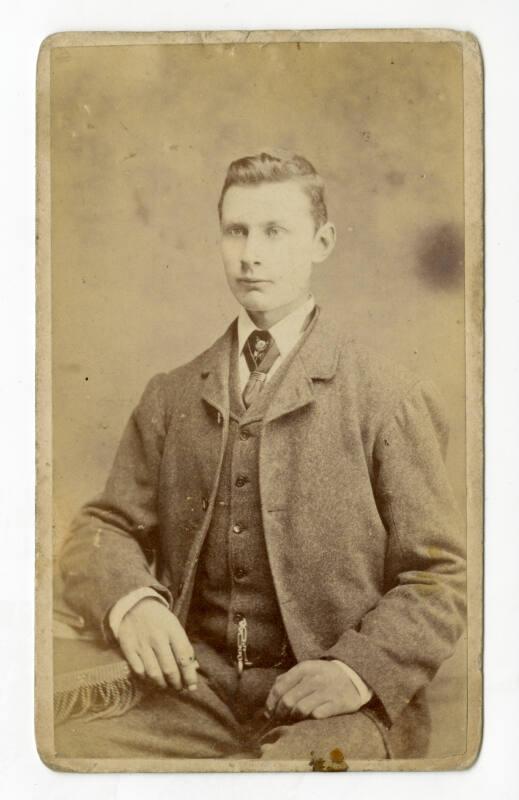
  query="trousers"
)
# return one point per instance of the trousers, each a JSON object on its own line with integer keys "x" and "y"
{"x": 223, "y": 718}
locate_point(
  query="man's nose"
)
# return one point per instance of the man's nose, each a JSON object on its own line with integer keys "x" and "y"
{"x": 250, "y": 256}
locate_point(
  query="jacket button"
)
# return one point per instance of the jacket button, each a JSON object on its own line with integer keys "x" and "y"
{"x": 241, "y": 480}
{"x": 237, "y": 529}
{"x": 245, "y": 434}
{"x": 239, "y": 573}
{"x": 205, "y": 503}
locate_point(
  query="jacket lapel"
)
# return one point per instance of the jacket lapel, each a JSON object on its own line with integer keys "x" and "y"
{"x": 315, "y": 360}
{"x": 215, "y": 372}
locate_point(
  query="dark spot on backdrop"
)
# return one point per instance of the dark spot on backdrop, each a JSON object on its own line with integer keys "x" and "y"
{"x": 440, "y": 256}
{"x": 141, "y": 209}
{"x": 395, "y": 178}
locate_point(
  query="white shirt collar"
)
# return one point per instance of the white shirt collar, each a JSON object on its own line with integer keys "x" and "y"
{"x": 285, "y": 333}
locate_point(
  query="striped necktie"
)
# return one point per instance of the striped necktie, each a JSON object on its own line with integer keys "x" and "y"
{"x": 260, "y": 352}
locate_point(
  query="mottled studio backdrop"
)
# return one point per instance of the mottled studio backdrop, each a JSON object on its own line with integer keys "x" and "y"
{"x": 141, "y": 138}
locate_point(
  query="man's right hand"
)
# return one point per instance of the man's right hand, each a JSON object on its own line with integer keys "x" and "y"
{"x": 156, "y": 646}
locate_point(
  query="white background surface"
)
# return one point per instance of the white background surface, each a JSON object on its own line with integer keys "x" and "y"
{"x": 24, "y": 25}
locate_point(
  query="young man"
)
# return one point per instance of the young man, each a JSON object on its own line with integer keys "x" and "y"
{"x": 308, "y": 575}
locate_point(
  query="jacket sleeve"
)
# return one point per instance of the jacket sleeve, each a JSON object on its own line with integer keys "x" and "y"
{"x": 109, "y": 551}
{"x": 401, "y": 642}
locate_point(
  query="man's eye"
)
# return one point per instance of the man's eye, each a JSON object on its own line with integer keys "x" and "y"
{"x": 273, "y": 232}
{"x": 236, "y": 231}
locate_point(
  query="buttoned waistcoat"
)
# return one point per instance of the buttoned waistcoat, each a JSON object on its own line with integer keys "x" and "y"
{"x": 234, "y": 585}
{"x": 362, "y": 533}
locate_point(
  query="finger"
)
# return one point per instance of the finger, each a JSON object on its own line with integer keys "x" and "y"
{"x": 184, "y": 656}
{"x": 287, "y": 702}
{"x": 152, "y": 667}
{"x": 303, "y": 708}
{"x": 168, "y": 664}
{"x": 283, "y": 684}
{"x": 188, "y": 666}
{"x": 325, "y": 710}
{"x": 133, "y": 659}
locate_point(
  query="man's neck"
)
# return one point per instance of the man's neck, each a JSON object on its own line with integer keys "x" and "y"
{"x": 266, "y": 319}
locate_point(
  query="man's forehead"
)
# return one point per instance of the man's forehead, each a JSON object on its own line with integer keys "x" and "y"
{"x": 265, "y": 201}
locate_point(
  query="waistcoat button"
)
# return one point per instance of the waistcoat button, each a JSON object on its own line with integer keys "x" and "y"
{"x": 245, "y": 434}
{"x": 239, "y": 573}
{"x": 237, "y": 528}
{"x": 205, "y": 503}
{"x": 241, "y": 480}
{"x": 238, "y": 617}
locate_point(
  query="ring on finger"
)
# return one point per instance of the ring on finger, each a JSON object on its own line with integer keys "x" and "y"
{"x": 186, "y": 662}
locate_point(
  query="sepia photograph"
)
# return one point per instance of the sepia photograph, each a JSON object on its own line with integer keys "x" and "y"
{"x": 259, "y": 388}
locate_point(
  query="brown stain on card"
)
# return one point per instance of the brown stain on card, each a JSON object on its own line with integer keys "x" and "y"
{"x": 440, "y": 256}
{"x": 334, "y": 763}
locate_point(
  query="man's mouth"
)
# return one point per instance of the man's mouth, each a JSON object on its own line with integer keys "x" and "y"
{"x": 253, "y": 281}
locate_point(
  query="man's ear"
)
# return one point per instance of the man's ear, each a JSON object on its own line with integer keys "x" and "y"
{"x": 324, "y": 242}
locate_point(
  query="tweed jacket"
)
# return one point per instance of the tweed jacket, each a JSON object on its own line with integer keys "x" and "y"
{"x": 362, "y": 532}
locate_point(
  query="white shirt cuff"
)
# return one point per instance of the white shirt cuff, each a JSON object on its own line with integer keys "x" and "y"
{"x": 126, "y": 603}
{"x": 364, "y": 691}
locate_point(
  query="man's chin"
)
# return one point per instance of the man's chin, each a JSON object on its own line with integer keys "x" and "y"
{"x": 256, "y": 306}
{"x": 262, "y": 304}
{"x": 255, "y": 301}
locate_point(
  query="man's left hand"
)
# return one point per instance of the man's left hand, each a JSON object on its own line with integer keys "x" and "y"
{"x": 316, "y": 689}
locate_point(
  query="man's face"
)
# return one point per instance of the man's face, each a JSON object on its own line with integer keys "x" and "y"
{"x": 268, "y": 244}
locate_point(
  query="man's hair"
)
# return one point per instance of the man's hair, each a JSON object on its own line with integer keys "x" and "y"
{"x": 277, "y": 166}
